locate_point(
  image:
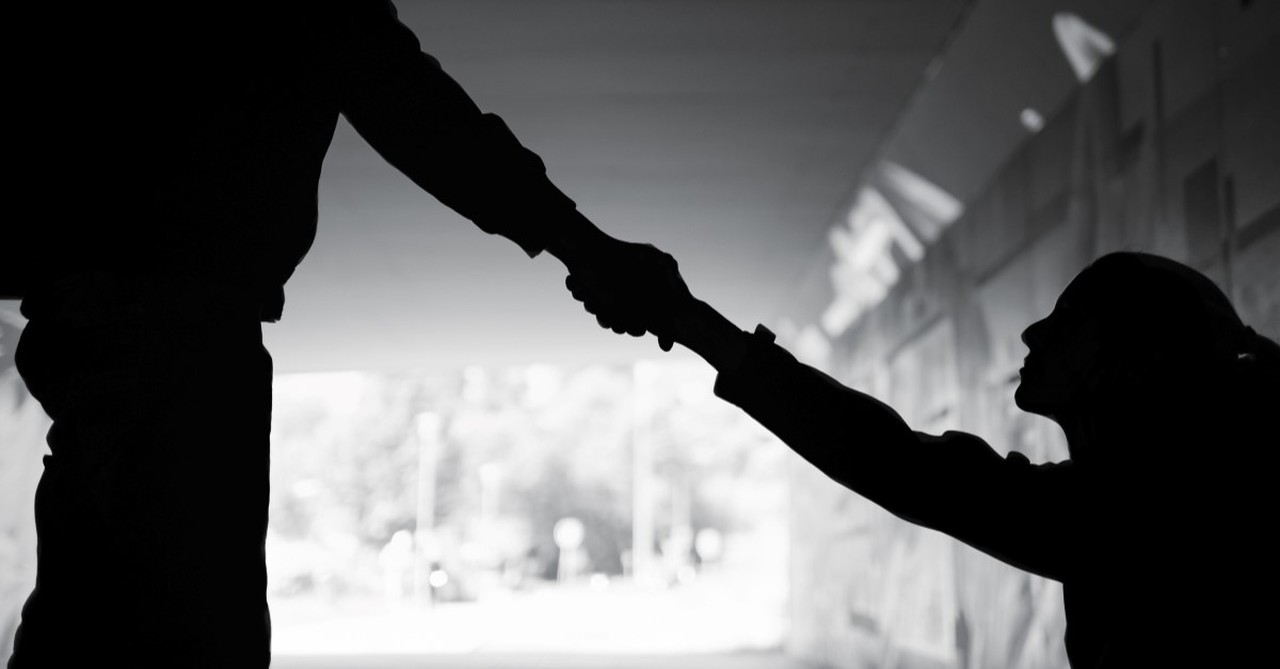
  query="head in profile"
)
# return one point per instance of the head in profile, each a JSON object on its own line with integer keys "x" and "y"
{"x": 1144, "y": 357}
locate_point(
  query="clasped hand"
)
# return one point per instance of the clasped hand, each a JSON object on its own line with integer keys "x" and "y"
{"x": 632, "y": 288}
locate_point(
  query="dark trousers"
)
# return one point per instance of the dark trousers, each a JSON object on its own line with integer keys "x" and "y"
{"x": 151, "y": 513}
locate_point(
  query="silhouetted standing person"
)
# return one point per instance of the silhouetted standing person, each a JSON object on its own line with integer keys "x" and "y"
{"x": 1158, "y": 525}
{"x": 171, "y": 154}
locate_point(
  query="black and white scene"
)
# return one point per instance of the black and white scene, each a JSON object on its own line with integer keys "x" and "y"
{"x": 641, "y": 334}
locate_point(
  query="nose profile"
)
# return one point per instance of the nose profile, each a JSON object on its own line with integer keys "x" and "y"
{"x": 1032, "y": 332}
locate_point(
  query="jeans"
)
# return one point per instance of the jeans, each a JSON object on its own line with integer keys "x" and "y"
{"x": 151, "y": 512}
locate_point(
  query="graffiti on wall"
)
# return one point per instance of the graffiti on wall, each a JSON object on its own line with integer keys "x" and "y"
{"x": 1112, "y": 169}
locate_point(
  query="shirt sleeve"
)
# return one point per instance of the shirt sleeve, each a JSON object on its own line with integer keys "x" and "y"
{"x": 422, "y": 122}
{"x": 955, "y": 483}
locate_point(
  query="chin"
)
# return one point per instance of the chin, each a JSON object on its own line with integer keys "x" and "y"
{"x": 1020, "y": 398}
{"x": 1025, "y": 397}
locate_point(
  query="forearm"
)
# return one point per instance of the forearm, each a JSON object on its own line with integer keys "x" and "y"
{"x": 426, "y": 125}
{"x": 850, "y": 436}
{"x": 575, "y": 241}
{"x": 705, "y": 331}
{"x": 767, "y": 380}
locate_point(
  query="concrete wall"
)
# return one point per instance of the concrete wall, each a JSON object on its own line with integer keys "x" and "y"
{"x": 1173, "y": 147}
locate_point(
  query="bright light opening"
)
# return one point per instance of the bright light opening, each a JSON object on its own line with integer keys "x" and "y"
{"x": 535, "y": 509}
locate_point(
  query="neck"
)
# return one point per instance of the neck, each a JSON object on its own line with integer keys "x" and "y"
{"x": 1081, "y": 432}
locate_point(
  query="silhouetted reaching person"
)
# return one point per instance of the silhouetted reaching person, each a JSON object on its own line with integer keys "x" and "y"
{"x": 169, "y": 157}
{"x": 1158, "y": 525}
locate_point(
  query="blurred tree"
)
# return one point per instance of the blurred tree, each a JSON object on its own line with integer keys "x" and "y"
{"x": 346, "y": 458}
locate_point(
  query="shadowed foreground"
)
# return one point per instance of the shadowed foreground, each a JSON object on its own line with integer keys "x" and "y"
{"x": 521, "y": 661}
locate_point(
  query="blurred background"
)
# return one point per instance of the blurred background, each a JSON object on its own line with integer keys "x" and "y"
{"x": 468, "y": 472}
{"x": 538, "y": 508}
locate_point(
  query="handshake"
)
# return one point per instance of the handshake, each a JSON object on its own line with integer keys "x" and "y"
{"x": 637, "y": 288}
{"x": 633, "y": 289}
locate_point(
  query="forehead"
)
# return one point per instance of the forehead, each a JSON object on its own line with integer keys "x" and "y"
{"x": 1109, "y": 280}
{"x": 1099, "y": 294}
{"x": 1082, "y": 290}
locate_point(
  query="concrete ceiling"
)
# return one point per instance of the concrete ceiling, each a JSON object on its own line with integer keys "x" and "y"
{"x": 728, "y": 132}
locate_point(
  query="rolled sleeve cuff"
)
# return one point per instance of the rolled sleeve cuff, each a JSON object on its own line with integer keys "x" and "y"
{"x": 753, "y": 382}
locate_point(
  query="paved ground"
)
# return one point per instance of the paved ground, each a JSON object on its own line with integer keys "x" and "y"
{"x": 535, "y": 661}
{"x": 623, "y": 622}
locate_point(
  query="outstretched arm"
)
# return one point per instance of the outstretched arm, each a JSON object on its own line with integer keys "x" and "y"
{"x": 421, "y": 121}
{"x": 811, "y": 412}
{"x": 418, "y": 118}
{"x": 954, "y": 483}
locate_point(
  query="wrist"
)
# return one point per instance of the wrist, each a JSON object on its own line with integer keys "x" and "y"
{"x": 575, "y": 241}
{"x": 715, "y": 338}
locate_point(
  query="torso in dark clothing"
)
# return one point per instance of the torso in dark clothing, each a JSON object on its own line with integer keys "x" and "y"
{"x": 189, "y": 137}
